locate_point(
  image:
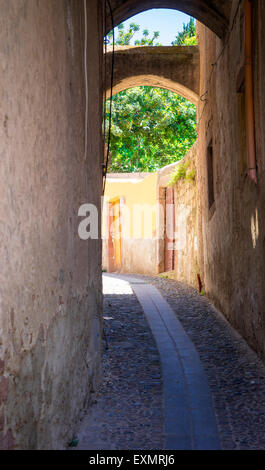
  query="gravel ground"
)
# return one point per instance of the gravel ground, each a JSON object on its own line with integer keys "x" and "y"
{"x": 129, "y": 410}
{"x": 128, "y": 414}
{"x": 235, "y": 374}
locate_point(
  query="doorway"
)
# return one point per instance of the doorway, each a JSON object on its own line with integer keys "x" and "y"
{"x": 169, "y": 248}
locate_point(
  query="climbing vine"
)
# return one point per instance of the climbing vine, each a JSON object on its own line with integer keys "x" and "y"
{"x": 182, "y": 172}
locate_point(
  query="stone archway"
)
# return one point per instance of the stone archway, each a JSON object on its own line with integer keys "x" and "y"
{"x": 212, "y": 13}
{"x": 174, "y": 68}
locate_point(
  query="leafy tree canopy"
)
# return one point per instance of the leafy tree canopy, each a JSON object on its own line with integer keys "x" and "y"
{"x": 186, "y": 37}
{"x": 151, "y": 128}
{"x": 124, "y": 38}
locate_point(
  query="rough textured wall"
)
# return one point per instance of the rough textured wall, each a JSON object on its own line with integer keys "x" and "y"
{"x": 186, "y": 224}
{"x": 139, "y": 256}
{"x": 186, "y": 267}
{"x": 232, "y": 246}
{"x": 50, "y": 280}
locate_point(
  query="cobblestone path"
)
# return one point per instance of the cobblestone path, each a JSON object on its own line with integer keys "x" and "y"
{"x": 129, "y": 410}
{"x": 236, "y": 375}
{"x": 128, "y": 413}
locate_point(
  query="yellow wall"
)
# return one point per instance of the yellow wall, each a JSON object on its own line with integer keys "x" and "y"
{"x": 137, "y": 196}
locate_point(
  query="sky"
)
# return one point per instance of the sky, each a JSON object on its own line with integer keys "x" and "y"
{"x": 167, "y": 22}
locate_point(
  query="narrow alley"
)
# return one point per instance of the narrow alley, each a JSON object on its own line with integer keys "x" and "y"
{"x": 224, "y": 410}
{"x": 132, "y": 142}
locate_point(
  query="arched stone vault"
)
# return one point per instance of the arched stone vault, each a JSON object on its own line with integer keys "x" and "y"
{"x": 212, "y": 13}
{"x": 174, "y": 68}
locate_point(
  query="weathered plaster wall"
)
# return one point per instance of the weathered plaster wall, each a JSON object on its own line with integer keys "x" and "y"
{"x": 139, "y": 256}
{"x": 186, "y": 223}
{"x": 50, "y": 280}
{"x": 186, "y": 266}
{"x": 232, "y": 245}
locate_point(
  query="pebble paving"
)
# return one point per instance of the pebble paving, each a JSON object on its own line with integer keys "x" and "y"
{"x": 128, "y": 413}
{"x": 235, "y": 374}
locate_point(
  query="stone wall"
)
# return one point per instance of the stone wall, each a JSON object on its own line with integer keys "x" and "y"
{"x": 212, "y": 13}
{"x": 232, "y": 241}
{"x": 173, "y": 68}
{"x": 186, "y": 267}
{"x": 186, "y": 226}
{"x": 50, "y": 280}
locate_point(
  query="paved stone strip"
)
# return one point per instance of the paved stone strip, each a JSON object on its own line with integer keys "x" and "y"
{"x": 190, "y": 421}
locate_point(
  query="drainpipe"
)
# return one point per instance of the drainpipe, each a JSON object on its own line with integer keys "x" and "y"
{"x": 250, "y": 119}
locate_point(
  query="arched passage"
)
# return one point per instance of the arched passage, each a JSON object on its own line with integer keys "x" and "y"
{"x": 174, "y": 68}
{"x": 213, "y": 13}
{"x": 157, "y": 82}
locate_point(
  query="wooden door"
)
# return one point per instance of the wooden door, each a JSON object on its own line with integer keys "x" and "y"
{"x": 114, "y": 239}
{"x": 111, "y": 256}
{"x": 117, "y": 234}
{"x": 169, "y": 255}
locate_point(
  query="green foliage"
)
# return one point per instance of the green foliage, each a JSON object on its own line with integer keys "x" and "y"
{"x": 167, "y": 275}
{"x": 151, "y": 128}
{"x": 191, "y": 175}
{"x": 181, "y": 172}
{"x": 124, "y": 38}
{"x": 191, "y": 41}
{"x": 187, "y": 37}
{"x": 164, "y": 276}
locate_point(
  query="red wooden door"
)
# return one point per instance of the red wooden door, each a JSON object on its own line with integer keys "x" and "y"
{"x": 169, "y": 257}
